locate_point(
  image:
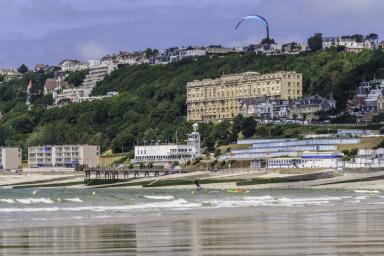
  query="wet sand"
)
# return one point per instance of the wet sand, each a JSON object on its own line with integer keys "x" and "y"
{"x": 235, "y": 232}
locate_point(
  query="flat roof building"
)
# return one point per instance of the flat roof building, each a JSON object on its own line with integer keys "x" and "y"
{"x": 64, "y": 156}
{"x": 215, "y": 99}
{"x": 10, "y": 158}
{"x": 170, "y": 152}
{"x": 312, "y": 159}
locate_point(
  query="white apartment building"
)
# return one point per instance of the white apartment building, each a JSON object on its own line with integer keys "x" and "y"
{"x": 170, "y": 152}
{"x": 71, "y": 94}
{"x": 10, "y": 158}
{"x": 96, "y": 74}
{"x": 93, "y": 98}
{"x": 64, "y": 156}
{"x": 192, "y": 53}
{"x": 350, "y": 44}
{"x": 73, "y": 65}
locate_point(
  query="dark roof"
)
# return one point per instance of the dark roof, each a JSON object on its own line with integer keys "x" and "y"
{"x": 50, "y": 84}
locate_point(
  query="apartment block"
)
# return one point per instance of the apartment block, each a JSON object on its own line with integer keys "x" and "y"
{"x": 10, "y": 158}
{"x": 64, "y": 156}
{"x": 215, "y": 99}
{"x": 71, "y": 94}
{"x": 97, "y": 74}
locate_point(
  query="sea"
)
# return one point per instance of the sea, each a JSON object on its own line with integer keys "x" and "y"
{"x": 186, "y": 222}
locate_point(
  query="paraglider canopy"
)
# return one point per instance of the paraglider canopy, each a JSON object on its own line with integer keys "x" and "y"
{"x": 258, "y": 18}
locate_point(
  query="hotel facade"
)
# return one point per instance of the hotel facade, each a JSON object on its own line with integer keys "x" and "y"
{"x": 221, "y": 98}
{"x": 64, "y": 156}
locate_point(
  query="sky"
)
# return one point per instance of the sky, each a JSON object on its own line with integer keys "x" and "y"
{"x": 48, "y": 31}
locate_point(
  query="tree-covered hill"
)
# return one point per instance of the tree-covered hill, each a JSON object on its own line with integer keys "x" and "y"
{"x": 151, "y": 103}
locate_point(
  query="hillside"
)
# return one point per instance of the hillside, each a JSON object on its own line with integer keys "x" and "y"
{"x": 151, "y": 104}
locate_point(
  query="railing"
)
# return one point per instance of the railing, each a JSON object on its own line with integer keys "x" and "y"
{"x": 126, "y": 173}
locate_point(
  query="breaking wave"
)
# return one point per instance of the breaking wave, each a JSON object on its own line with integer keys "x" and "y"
{"x": 367, "y": 191}
{"x": 160, "y": 197}
{"x": 34, "y": 200}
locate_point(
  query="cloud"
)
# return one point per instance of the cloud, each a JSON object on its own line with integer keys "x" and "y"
{"x": 92, "y": 50}
{"x": 33, "y": 31}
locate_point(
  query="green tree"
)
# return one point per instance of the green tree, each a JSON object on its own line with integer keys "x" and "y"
{"x": 76, "y": 78}
{"x": 248, "y": 127}
{"x": 268, "y": 41}
{"x": 124, "y": 141}
{"x": 358, "y": 37}
{"x": 372, "y": 36}
{"x": 23, "y": 69}
{"x": 209, "y": 142}
{"x": 315, "y": 43}
{"x": 151, "y": 52}
{"x": 21, "y": 123}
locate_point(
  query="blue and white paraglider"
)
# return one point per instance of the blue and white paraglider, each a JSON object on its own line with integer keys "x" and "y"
{"x": 258, "y": 18}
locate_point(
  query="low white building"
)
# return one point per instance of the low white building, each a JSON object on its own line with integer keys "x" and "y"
{"x": 10, "y": 158}
{"x": 191, "y": 53}
{"x": 171, "y": 152}
{"x": 93, "y": 98}
{"x": 64, "y": 156}
{"x": 71, "y": 94}
{"x": 72, "y": 65}
{"x": 351, "y": 45}
{"x": 367, "y": 158}
{"x": 309, "y": 159}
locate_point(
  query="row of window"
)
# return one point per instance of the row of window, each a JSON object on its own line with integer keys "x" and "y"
{"x": 172, "y": 157}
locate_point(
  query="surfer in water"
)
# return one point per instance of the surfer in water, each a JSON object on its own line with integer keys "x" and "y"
{"x": 198, "y": 187}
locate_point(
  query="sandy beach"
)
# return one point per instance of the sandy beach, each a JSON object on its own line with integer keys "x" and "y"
{"x": 218, "y": 181}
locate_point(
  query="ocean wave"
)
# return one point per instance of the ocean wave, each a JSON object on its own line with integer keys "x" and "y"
{"x": 8, "y": 201}
{"x": 259, "y": 197}
{"x": 254, "y": 201}
{"x": 34, "y": 200}
{"x": 160, "y": 197}
{"x": 284, "y": 201}
{"x": 367, "y": 191}
{"x": 75, "y": 200}
{"x": 175, "y": 205}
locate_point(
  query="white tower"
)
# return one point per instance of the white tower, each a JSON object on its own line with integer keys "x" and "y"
{"x": 194, "y": 139}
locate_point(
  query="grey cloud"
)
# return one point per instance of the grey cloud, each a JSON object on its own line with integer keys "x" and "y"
{"x": 33, "y": 31}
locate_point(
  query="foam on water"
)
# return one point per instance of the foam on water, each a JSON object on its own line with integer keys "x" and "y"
{"x": 75, "y": 200}
{"x": 176, "y": 205}
{"x": 252, "y": 201}
{"x": 367, "y": 191}
{"x": 34, "y": 200}
{"x": 259, "y": 197}
{"x": 160, "y": 197}
{"x": 8, "y": 201}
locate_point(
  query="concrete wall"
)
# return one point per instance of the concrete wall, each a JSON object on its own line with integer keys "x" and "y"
{"x": 11, "y": 158}
{"x": 90, "y": 156}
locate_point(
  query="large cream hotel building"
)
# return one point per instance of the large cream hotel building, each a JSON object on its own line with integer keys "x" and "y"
{"x": 215, "y": 99}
